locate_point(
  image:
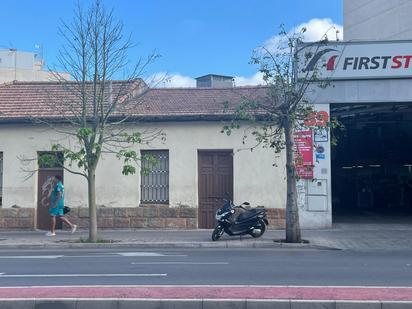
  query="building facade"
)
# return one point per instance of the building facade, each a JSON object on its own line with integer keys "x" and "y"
{"x": 197, "y": 163}
{"x": 23, "y": 66}
{"x": 362, "y": 170}
{"x": 377, "y": 20}
{"x": 367, "y": 174}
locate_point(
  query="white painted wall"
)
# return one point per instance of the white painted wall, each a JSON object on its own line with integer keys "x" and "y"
{"x": 10, "y": 74}
{"x": 377, "y": 20}
{"x": 255, "y": 179}
{"x": 311, "y": 214}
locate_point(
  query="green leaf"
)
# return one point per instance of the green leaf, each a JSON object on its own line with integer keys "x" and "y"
{"x": 128, "y": 170}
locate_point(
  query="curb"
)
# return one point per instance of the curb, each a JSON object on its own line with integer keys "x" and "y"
{"x": 168, "y": 245}
{"x": 119, "y": 303}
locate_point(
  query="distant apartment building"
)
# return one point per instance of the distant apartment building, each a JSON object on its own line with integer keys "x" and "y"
{"x": 377, "y": 20}
{"x": 23, "y": 66}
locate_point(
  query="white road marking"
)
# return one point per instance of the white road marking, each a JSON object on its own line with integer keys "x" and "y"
{"x": 179, "y": 263}
{"x": 2, "y": 275}
{"x": 88, "y": 256}
{"x": 31, "y": 256}
{"x": 150, "y": 254}
{"x": 109, "y": 255}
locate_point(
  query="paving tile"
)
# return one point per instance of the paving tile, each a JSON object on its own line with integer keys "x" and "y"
{"x": 97, "y": 304}
{"x": 139, "y": 304}
{"x": 181, "y": 304}
{"x": 358, "y": 305}
{"x": 17, "y": 304}
{"x": 55, "y": 303}
{"x": 267, "y": 304}
{"x": 315, "y": 304}
{"x": 224, "y": 304}
{"x": 396, "y": 305}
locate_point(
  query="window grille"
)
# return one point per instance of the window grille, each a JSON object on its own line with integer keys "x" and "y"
{"x": 155, "y": 176}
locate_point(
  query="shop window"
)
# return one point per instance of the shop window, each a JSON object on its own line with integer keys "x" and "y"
{"x": 155, "y": 176}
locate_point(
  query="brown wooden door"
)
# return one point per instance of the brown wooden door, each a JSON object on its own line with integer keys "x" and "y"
{"x": 215, "y": 181}
{"x": 44, "y": 191}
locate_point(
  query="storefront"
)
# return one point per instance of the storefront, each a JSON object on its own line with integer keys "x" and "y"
{"x": 367, "y": 175}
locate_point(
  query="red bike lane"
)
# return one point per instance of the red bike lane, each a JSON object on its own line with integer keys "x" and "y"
{"x": 215, "y": 292}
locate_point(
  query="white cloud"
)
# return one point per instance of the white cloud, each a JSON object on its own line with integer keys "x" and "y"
{"x": 253, "y": 80}
{"x": 173, "y": 80}
{"x": 176, "y": 80}
{"x": 316, "y": 29}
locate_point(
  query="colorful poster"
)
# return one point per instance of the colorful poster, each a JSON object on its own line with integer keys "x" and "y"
{"x": 304, "y": 154}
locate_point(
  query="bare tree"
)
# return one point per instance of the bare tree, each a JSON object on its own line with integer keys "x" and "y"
{"x": 283, "y": 111}
{"x": 92, "y": 109}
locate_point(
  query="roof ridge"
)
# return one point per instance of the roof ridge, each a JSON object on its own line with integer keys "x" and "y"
{"x": 210, "y": 88}
{"x": 6, "y": 83}
{"x": 52, "y": 82}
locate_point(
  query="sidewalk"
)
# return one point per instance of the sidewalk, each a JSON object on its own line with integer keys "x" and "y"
{"x": 341, "y": 236}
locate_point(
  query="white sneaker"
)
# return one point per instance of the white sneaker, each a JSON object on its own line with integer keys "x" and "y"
{"x": 50, "y": 234}
{"x": 74, "y": 228}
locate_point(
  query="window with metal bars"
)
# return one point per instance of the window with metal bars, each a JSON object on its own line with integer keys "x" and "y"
{"x": 155, "y": 176}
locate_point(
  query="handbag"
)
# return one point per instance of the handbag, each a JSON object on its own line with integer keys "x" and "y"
{"x": 66, "y": 209}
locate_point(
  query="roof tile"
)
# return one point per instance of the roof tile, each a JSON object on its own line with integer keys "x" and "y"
{"x": 25, "y": 100}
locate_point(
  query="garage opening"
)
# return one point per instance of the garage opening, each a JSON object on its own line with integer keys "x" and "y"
{"x": 372, "y": 163}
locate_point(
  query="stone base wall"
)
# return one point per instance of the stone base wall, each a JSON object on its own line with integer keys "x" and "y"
{"x": 277, "y": 218}
{"x": 148, "y": 216}
{"x": 17, "y": 218}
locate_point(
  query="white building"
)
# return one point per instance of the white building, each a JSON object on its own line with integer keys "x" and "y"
{"x": 23, "y": 66}
{"x": 367, "y": 175}
{"x": 197, "y": 162}
{"x": 381, "y": 20}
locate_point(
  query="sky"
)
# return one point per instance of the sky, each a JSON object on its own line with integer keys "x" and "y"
{"x": 193, "y": 37}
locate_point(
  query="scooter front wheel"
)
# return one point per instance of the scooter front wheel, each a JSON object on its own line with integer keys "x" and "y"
{"x": 217, "y": 233}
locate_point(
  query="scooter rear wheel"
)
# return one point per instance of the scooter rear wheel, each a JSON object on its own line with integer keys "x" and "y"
{"x": 262, "y": 226}
{"x": 217, "y": 233}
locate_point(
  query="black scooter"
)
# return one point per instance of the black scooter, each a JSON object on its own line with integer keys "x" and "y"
{"x": 252, "y": 221}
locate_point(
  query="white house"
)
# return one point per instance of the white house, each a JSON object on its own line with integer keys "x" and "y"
{"x": 197, "y": 162}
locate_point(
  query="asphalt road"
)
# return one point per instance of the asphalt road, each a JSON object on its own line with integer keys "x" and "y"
{"x": 206, "y": 267}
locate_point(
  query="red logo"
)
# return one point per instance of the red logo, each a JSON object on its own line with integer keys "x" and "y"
{"x": 330, "y": 64}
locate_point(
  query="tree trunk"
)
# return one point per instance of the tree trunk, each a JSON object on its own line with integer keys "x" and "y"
{"x": 292, "y": 211}
{"x": 92, "y": 206}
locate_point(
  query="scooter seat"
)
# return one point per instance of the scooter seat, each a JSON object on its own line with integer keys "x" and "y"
{"x": 247, "y": 215}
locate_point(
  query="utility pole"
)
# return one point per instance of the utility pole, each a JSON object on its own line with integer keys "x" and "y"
{"x": 14, "y": 50}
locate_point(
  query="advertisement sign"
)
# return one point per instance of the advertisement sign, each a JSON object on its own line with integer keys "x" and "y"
{"x": 304, "y": 154}
{"x": 355, "y": 60}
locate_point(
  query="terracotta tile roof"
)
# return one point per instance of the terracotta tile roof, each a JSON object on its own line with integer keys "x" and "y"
{"x": 25, "y": 100}
{"x": 169, "y": 102}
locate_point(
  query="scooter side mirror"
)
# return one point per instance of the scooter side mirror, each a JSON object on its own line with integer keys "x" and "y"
{"x": 246, "y": 203}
